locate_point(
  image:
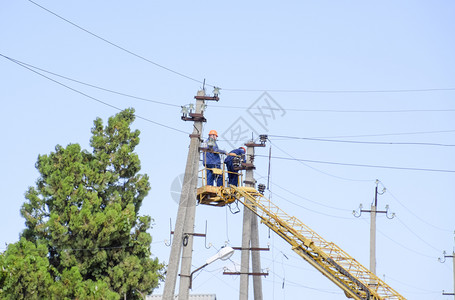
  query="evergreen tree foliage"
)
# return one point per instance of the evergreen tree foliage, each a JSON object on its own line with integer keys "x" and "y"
{"x": 84, "y": 238}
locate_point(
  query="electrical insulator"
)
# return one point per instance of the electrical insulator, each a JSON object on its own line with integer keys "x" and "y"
{"x": 261, "y": 188}
{"x": 263, "y": 138}
{"x": 184, "y": 111}
{"x": 216, "y": 91}
{"x": 237, "y": 161}
{"x": 211, "y": 143}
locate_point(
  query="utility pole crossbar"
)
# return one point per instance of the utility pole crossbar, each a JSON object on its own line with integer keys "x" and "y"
{"x": 246, "y": 273}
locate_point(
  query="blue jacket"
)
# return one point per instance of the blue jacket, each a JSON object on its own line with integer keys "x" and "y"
{"x": 238, "y": 151}
{"x": 210, "y": 158}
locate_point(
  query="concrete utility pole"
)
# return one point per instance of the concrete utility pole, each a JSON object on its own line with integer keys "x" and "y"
{"x": 373, "y": 212}
{"x": 250, "y": 236}
{"x": 453, "y": 261}
{"x": 373, "y": 232}
{"x": 184, "y": 225}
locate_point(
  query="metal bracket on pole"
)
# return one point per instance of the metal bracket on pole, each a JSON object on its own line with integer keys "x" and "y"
{"x": 442, "y": 260}
{"x": 194, "y": 117}
{"x": 252, "y": 249}
{"x": 247, "y": 166}
{"x": 246, "y": 273}
{"x": 208, "y": 98}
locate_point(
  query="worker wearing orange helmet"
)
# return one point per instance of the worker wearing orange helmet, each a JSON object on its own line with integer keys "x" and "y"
{"x": 233, "y": 174}
{"x": 212, "y": 159}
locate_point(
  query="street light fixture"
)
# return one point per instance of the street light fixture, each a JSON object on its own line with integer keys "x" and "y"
{"x": 224, "y": 254}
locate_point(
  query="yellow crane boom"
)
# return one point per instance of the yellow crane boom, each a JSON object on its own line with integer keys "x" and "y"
{"x": 354, "y": 279}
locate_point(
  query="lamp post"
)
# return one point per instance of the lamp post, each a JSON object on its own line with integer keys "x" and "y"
{"x": 224, "y": 254}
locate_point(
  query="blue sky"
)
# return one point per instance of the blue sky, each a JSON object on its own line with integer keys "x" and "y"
{"x": 355, "y": 92}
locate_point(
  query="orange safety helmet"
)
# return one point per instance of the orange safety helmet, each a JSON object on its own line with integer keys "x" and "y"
{"x": 244, "y": 151}
{"x": 213, "y": 132}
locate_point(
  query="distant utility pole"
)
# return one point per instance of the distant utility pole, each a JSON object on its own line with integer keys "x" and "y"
{"x": 453, "y": 260}
{"x": 373, "y": 213}
{"x": 184, "y": 225}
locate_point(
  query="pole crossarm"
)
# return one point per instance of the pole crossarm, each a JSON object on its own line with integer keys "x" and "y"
{"x": 343, "y": 270}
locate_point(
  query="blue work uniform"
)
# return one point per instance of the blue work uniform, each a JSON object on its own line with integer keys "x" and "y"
{"x": 233, "y": 175}
{"x": 213, "y": 160}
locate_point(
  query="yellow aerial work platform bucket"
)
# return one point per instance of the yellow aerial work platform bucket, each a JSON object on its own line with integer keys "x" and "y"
{"x": 216, "y": 195}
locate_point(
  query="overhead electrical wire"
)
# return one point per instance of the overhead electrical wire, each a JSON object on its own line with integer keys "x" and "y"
{"x": 302, "y": 161}
{"x": 365, "y": 135}
{"x": 412, "y": 213}
{"x": 361, "y": 142}
{"x": 417, "y": 235}
{"x": 399, "y": 244}
{"x": 407, "y": 227}
{"x": 91, "y": 97}
{"x": 415, "y": 215}
{"x": 341, "y": 91}
{"x": 311, "y": 210}
{"x": 345, "y": 111}
{"x": 301, "y": 197}
{"x": 413, "y": 287}
{"x": 93, "y": 86}
{"x": 287, "y": 109}
{"x": 387, "y": 134}
{"x": 306, "y": 287}
{"x": 358, "y": 165}
{"x": 235, "y": 107}
{"x": 219, "y": 106}
{"x": 238, "y": 89}
{"x": 29, "y": 67}
{"x": 117, "y": 46}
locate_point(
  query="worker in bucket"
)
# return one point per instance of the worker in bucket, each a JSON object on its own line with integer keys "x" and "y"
{"x": 212, "y": 160}
{"x": 233, "y": 174}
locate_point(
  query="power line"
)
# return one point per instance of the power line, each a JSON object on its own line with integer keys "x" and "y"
{"x": 370, "y": 135}
{"x": 93, "y": 86}
{"x": 308, "y": 166}
{"x": 117, "y": 46}
{"x": 311, "y": 210}
{"x": 413, "y": 287}
{"x": 345, "y": 111}
{"x": 303, "y": 198}
{"x": 389, "y": 134}
{"x": 221, "y": 106}
{"x": 90, "y": 97}
{"x": 401, "y": 245}
{"x": 412, "y": 213}
{"x": 341, "y": 91}
{"x": 359, "y": 165}
{"x": 306, "y": 287}
{"x": 237, "y": 89}
{"x": 417, "y": 235}
{"x": 361, "y": 142}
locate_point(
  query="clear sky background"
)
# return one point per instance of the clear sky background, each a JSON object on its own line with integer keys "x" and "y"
{"x": 356, "y": 92}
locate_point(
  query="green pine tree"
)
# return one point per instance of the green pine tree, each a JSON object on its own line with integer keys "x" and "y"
{"x": 82, "y": 223}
